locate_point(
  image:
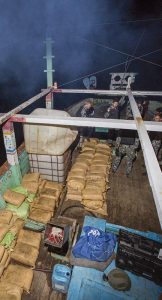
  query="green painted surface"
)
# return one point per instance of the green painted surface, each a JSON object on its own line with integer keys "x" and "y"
{"x": 13, "y": 176}
{"x": 101, "y": 129}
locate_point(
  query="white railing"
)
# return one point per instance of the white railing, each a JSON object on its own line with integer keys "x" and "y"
{"x": 152, "y": 165}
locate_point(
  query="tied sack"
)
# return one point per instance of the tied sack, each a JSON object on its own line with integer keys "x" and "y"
{"x": 95, "y": 244}
{"x": 14, "y": 197}
{"x": 94, "y": 194}
{"x": 93, "y": 204}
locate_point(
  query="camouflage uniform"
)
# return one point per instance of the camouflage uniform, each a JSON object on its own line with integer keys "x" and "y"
{"x": 156, "y": 144}
{"x": 127, "y": 151}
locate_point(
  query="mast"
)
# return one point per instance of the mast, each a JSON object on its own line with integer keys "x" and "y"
{"x": 49, "y": 71}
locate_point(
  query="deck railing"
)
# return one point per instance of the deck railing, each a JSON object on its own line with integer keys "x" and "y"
{"x": 152, "y": 165}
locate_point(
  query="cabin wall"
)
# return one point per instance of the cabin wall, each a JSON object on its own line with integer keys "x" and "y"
{"x": 7, "y": 178}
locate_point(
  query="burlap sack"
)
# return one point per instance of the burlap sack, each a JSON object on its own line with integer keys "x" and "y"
{"x": 29, "y": 237}
{"x": 74, "y": 191}
{"x": 10, "y": 291}
{"x": 100, "y": 162}
{"x": 19, "y": 276}
{"x": 103, "y": 146}
{"x": 54, "y": 185}
{"x": 95, "y": 176}
{"x": 99, "y": 184}
{"x": 31, "y": 187}
{"x": 93, "y": 204}
{"x": 48, "y": 193}
{"x": 80, "y": 167}
{"x": 83, "y": 160}
{"x": 95, "y": 186}
{"x": 74, "y": 173}
{"x": 88, "y": 151}
{"x": 5, "y": 216}
{"x": 31, "y": 177}
{"x": 94, "y": 140}
{"x": 74, "y": 197}
{"x": 76, "y": 183}
{"x": 3, "y": 230}
{"x": 13, "y": 197}
{"x": 98, "y": 169}
{"x": 47, "y": 204}
{"x": 89, "y": 145}
{"x": 40, "y": 215}
{"x": 18, "y": 224}
{"x": 25, "y": 254}
{"x": 85, "y": 156}
{"x": 42, "y": 183}
{"x": 99, "y": 156}
{"x": 93, "y": 194}
{"x": 4, "y": 258}
{"x": 103, "y": 151}
{"x": 2, "y": 250}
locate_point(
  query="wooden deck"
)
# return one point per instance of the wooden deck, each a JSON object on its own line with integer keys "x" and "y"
{"x": 130, "y": 199}
{"x": 130, "y": 203}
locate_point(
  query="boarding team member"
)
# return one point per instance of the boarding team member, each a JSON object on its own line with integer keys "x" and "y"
{"x": 125, "y": 146}
{"x": 156, "y": 137}
{"x": 87, "y": 111}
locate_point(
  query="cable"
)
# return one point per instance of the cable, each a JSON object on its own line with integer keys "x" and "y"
{"x": 134, "y": 52}
{"x": 108, "y": 68}
{"x": 129, "y": 21}
{"x": 121, "y": 52}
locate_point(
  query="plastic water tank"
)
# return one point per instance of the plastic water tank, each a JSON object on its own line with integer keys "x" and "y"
{"x": 61, "y": 278}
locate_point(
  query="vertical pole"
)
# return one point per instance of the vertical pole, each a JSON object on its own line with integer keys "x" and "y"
{"x": 49, "y": 71}
{"x": 11, "y": 151}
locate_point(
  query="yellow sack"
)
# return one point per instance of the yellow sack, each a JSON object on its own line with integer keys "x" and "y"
{"x": 10, "y": 291}
{"x": 31, "y": 177}
{"x": 96, "y": 176}
{"x": 76, "y": 183}
{"x": 98, "y": 169}
{"x": 92, "y": 204}
{"x": 18, "y": 276}
{"x": 74, "y": 173}
{"x": 54, "y": 185}
{"x": 25, "y": 254}
{"x": 29, "y": 237}
{"x": 44, "y": 203}
{"x": 40, "y": 215}
{"x": 48, "y": 193}
{"x": 103, "y": 146}
{"x": 3, "y": 230}
{"x": 94, "y": 194}
{"x": 31, "y": 187}
{"x": 5, "y": 216}
{"x": 13, "y": 197}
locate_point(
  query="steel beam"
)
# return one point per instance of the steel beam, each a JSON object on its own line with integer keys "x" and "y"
{"x": 14, "y": 111}
{"x": 108, "y": 92}
{"x": 90, "y": 122}
{"x": 152, "y": 165}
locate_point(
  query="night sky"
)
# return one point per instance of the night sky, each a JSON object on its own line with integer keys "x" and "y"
{"x": 83, "y": 31}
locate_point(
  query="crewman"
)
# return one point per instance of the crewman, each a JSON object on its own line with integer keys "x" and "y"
{"x": 156, "y": 137}
{"x": 125, "y": 146}
{"x": 87, "y": 111}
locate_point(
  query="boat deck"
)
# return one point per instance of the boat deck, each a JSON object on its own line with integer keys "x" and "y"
{"x": 130, "y": 204}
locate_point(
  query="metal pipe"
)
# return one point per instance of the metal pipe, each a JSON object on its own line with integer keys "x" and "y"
{"x": 14, "y": 111}
{"x": 108, "y": 92}
{"x": 90, "y": 122}
{"x": 152, "y": 165}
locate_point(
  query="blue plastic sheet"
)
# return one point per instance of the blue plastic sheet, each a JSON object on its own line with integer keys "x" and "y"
{"x": 95, "y": 244}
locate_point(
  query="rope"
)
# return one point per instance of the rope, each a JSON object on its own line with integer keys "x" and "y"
{"x": 108, "y": 68}
{"x": 129, "y": 21}
{"x": 121, "y": 52}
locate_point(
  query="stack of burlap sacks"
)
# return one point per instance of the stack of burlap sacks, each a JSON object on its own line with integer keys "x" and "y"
{"x": 19, "y": 248}
{"x": 88, "y": 179}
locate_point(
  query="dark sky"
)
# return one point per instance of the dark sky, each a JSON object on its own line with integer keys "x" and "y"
{"x": 81, "y": 30}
